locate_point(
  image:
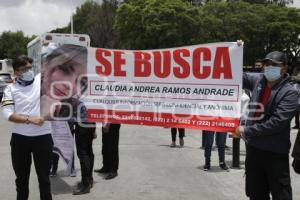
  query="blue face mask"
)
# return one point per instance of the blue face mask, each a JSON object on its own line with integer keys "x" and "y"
{"x": 272, "y": 73}
{"x": 27, "y": 76}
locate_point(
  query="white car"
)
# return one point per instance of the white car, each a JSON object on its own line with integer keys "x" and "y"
{"x": 5, "y": 79}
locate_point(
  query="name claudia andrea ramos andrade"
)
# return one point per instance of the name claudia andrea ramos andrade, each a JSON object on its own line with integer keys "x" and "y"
{"x": 165, "y": 90}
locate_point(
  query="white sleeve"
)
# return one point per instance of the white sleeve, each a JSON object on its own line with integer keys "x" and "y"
{"x": 8, "y": 105}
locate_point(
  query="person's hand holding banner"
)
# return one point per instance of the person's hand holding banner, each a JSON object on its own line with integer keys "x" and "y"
{"x": 239, "y": 133}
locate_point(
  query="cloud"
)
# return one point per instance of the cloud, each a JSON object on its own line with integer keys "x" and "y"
{"x": 36, "y": 16}
{"x": 297, "y": 3}
{"x": 65, "y": 2}
{"x": 5, "y": 3}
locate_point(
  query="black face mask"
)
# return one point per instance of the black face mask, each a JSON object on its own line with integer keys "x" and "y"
{"x": 24, "y": 83}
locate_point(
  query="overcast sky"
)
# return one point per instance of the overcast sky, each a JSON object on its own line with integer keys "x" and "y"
{"x": 35, "y": 16}
{"x": 39, "y": 16}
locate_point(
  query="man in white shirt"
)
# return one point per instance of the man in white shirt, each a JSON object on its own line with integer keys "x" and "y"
{"x": 31, "y": 136}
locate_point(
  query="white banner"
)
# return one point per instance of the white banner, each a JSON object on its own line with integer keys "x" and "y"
{"x": 196, "y": 86}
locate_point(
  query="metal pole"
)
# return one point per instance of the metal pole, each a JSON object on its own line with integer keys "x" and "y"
{"x": 203, "y": 140}
{"x": 236, "y": 152}
{"x": 72, "y": 23}
{"x": 71, "y": 20}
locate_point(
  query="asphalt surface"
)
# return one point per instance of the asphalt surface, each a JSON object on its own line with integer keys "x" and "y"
{"x": 149, "y": 170}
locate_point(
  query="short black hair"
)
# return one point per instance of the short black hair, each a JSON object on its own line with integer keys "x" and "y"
{"x": 21, "y": 61}
{"x": 30, "y": 60}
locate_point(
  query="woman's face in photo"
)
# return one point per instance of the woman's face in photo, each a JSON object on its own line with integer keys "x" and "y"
{"x": 62, "y": 85}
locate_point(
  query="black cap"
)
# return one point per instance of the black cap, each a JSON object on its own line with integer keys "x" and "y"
{"x": 276, "y": 57}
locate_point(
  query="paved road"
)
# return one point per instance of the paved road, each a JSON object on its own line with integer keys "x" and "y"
{"x": 149, "y": 170}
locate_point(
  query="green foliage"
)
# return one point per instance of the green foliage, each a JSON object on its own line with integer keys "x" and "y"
{"x": 85, "y": 16}
{"x": 264, "y": 26}
{"x": 277, "y": 2}
{"x": 231, "y": 21}
{"x": 146, "y": 24}
{"x": 101, "y": 32}
{"x": 13, "y": 44}
{"x": 95, "y": 20}
{"x": 165, "y": 23}
{"x": 66, "y": 29}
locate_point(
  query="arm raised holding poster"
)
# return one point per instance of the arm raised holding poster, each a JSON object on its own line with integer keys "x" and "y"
{"x": 267, "y": 130}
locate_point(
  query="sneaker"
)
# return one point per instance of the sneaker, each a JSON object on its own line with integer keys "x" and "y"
{"x": 206, "y": 167}
{"x": 224, "y": 166}
{"x": 181, "y": 142}
{"x": 173, "y": 144}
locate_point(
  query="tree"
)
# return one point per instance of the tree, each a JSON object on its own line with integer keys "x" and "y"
{"x": 147, "y": 24}
{"x": 278, "y": 2}
{"x": 85, "y": 16}
{"x": 225, "y": 22}
{"x": 165, "y": 23}
{"x": 66, "y": 29}
{"x": 197, "y": 2}
{"x": 283, "y": 31}
{"x": 263, "y": 28}
{"x": 13, "y": 44}
{"x": 102, "y": 31}
{"x": 95, "y": 20}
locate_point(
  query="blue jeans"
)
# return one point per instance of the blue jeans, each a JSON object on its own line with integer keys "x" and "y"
{"x": 220, "y": 142}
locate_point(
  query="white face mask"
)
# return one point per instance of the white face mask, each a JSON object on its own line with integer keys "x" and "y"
{"x": 27, "y": 76}
{"x": 272, "y": 73}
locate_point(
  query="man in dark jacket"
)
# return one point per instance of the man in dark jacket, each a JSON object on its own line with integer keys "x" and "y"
{"x": 272, "y": 106}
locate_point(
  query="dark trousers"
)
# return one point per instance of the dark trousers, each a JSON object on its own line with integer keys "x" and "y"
{"x": 55, "y": 160}
{"x": 22, "y": 149}
{"x": 84, "y": 143}
{"x": 174, "y": 133}
{"x": 220, "y": 142}
{"x": 297, "y": 119}
{"x": 110, "y": 147}
{"x": 267, "y": 172}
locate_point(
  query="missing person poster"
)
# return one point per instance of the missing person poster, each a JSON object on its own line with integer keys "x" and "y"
{"x": 191, "y": 87}
{"x": 63, "y": 143}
